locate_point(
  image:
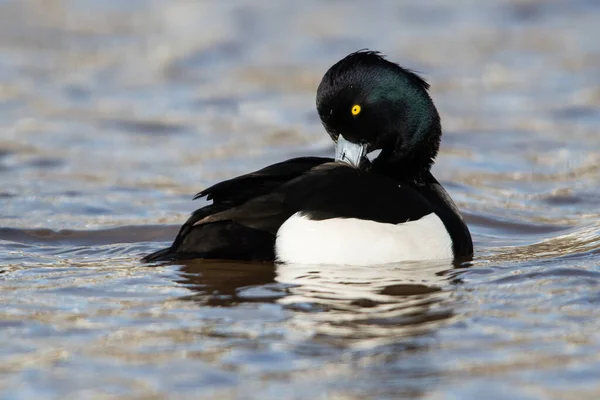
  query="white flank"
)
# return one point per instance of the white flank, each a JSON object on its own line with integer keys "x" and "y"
{"x": 351, "y": 241}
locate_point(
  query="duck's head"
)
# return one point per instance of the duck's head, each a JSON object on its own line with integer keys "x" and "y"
{"x": 367, "y": 103}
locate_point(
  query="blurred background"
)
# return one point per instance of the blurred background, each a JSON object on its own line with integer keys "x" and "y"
{"x": 113, "y": 114}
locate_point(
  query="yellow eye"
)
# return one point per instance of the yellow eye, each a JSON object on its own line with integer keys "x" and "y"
{"x": 355, "y": 109}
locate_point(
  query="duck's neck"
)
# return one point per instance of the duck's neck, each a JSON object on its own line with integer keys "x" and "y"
{"x": 410, "y": 155}
{"x": 401, "y": 169}
{"x": 408, "y": 163}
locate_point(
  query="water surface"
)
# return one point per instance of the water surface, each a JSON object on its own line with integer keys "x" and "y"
{"x": 114, "y": 114}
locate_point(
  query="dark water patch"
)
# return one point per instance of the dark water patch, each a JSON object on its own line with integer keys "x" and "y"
{"x": 46, "y": 163}
{"x": 578, "y": 113}
{"x": 365, "y": 303}
{"x": 5, "y": 161}
{"x": 223, "y": 104}
{"x": 7, "y": 195}
{"x": 501, "y": 226}
{"x": 525, "y": 12}
{"x": 564, "y": 198}
{"x": 150, "y": 128}
{"x": 408, "y": 290}
{"x": 72, "y": 193}
{"x": 5, "y": 152}
{"x": 122, "y": 234}
{"x": 191, "y": 65}
{"x": 216, "y": 53}
{"x": 78, "y": 93}
{"x": 531, "y": 11}
{"x": 575, "y": 200}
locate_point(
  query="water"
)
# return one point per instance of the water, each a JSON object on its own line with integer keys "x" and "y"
{"x": 114, "y": 114}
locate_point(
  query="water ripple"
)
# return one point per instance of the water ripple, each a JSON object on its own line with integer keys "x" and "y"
{"x": 115, "y": 113}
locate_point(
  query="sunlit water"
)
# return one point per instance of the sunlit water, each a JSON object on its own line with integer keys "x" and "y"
{"x": 113, "y": 114}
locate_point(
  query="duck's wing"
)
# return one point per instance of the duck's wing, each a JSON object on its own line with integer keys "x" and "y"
{"x": 225, "y": 196}
{"x": 239, "y": 190}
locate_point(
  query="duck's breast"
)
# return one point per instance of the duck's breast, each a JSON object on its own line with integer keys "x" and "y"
{"x": 352, "y": 241}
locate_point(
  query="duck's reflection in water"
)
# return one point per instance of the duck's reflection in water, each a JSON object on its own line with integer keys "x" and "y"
{"x": 345, "y": 302}
{"x": 228, "y": 283}
{"x": 372, "y": 302}
{"x": 370, "y": 326}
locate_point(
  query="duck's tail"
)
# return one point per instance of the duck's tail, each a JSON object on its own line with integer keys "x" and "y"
{"x": 161, "y": 255}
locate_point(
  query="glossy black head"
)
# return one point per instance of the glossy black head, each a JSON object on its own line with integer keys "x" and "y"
{"x": 370, "y": 100}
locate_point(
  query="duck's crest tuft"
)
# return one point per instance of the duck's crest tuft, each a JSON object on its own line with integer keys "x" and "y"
{"x": 370, "y": 57}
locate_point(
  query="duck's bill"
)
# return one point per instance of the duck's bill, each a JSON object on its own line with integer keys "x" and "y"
{"x": 348, "y": 152}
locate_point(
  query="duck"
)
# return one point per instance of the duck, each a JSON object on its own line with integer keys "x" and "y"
{"x": 352, "y": 209}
